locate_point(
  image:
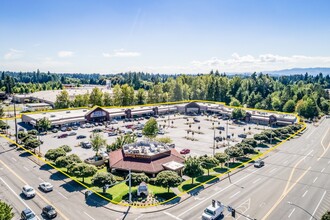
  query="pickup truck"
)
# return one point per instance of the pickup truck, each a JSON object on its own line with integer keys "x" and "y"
{"x": 213, "y": 211}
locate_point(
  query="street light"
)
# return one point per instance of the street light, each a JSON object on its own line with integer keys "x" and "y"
{"x": 213, "y": 139}
{"x": 312, "y": 216}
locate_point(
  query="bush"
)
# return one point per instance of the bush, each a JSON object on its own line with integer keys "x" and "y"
{"x": 165, "y": 140}
{"x": 250, "y": 141}
{"x": 65, "y": 161}
{"x": 152, "y": 181}
{"x": 33, "y": 132}
{"x": 138, "y": 178}
{"x": 101, "y": 179}
{"x": 66, "y": 148}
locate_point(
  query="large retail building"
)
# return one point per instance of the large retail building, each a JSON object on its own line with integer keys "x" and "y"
{"x": 99, "y": 114}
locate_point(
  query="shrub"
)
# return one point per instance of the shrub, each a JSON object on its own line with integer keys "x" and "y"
{"x": 66, "y": 148}
{"x": 53, "y": 154}
{"x": 138, "y": 178}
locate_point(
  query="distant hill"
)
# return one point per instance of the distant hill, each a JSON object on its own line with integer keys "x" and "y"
{"x": 294, "y": 71}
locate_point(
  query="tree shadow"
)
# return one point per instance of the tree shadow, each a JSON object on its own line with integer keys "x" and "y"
{"x": 164, "y": 196}
{"x": 195, "y": 191}
{"x": 244, "y": 159}
{"x": 46, "y": 167}
{"x": 262, "y": 145}
{"x": 72, "y": 186}
{"x": 25, "y": 154}
{"x": 220, "y": 169}
{"x": 58, "y": 176}
{"x": 235, "y": 164}
{"x": 95, "y": 200}
{"x": 205, "y": 178}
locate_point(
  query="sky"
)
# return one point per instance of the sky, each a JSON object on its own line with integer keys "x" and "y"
{"x": 163, "y": 36}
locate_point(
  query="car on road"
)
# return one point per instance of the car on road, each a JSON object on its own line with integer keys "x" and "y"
{"x": 28, "y": 191}
{"x": 72, "y": 133}
{"x": 62, "y": 135}
{"x": 213, "y": 211}
{"x": 28, "y": 214}
{"x": 185, "y": 151}
{"x": 86, "y": 144}
{"x": 81, "y": 136}
{"x": 242, "y": 135}
{"x": 49, "y": 212}
{"x": 46, "y": 187}
{"x": 259, "y": 163}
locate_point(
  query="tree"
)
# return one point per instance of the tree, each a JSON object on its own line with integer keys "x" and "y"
{"x": 164, "y": 140}
{"x": 32, "y": 143}
{"x": 260, "y": 137}
{"x": 121, "y": 141}
{"x": 66, "y": 148}
{"x": 103, "y": 178}
{"x": 53, "y": 154}
{"x": 62, "y": 100}
{"x": 98, "y": 142}
{"x": 150, "y": 129}
{"x": 1, "y": 111}
{"x": 193, "y": 168}
{"x": 234, "y": 102}
{"x": 250, "y": 141}
{"x": 222, "y": 158}
{"x": 117, "y": 96}
{"x": 127, "y": 95}
{"x": 6, "y": 211}
{"x": 96, "y": 97}
{"x": 82, "y": 170}
{"x": 65, "y": 161}
{"x": 234, "y": 152}
{"x": 44, "y": 124}
{"x": 289, "y": 106}
{"x": 168, "y": 179}
{"x": 141, "y": 97}
{"x": 138, "y": 178}
{"x": 238, "y": 113}
{"x": 326, "y": 216}
{"x": 107, "y": 100}
{"x": 208, "y": 162}
{"x": 247, "y": 149}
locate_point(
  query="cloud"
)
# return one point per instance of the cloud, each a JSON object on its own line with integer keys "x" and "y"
{"x": 65, "y": 53}
{"x": 13, "y": 54}
{"x": 122, "y": 53}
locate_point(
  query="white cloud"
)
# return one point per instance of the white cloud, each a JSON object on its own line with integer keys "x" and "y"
{"x": 65, "y": 53}
{"x": 13, "y": 54}
{"x": 122, "y": 53}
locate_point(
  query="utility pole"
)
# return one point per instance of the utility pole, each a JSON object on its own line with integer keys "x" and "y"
{"x": 227, "y": 133}
{"x": 16, "y": 134}
{"x": 130, "y": 186}
{"x": 213, "y": 139}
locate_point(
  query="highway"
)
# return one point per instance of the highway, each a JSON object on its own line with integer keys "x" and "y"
{"x": 293, "y": 184}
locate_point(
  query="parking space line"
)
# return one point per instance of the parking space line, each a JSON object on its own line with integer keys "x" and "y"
{"x": 322, "y": 170}
{"x": 315, "y": 180}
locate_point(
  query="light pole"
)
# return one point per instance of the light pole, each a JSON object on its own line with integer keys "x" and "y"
{"x": 213, "y": 139}
{"x": 227, "y": 133}
{"x": 16, "y": 134}
{"x": 130, "y": 186}
{"x": 312, "y": 216}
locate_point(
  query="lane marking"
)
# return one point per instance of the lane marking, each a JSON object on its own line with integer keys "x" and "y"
{"x": 19, "y": 198}
{"x": 318, "y": 205}
{"x": 285, "y": 192}
{"x": 62, "y": 195}
{"x": 315, "y": 180}
{"x": 173, "y": 216}
{"x": 256, "y": 180}
{"x": 310, "y": 133}
{"x": 13, "y": 159}
{"x": 89, "y": 216}
{"x": 304, "y": 194}
{"x": 291, "y": 212}
{"x": 324, "y": 149}
{"x": 41, "y": 179}
{"x": 234, "y": 194}
{"x": 214, "y": 194}
{"x": 285, "y": 162}
{"x": 322, "y": 170}
{"x": 272, "y": 170}
{"x": 37, "y": 193}
{"x": 138, "y": 217}
{"x": 27, "y": 169}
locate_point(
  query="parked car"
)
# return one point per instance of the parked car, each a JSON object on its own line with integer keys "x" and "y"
{"x": 242, "y": 135}
{"x": 147, "y": 117}
{"x": 218, "y": 138}
{"x": 83, "y": 126}
{"x": 72, "y": 133}
{"x": 139, "y": 134}
{"x": 162, "y": 116}
{"x": 128, "y": 131}
{"x": 259, "y": 163}
{"x": 97, "y": 130}
{"x": 75, "y": 128}
{"x": 81, "y": 136}
{"x": 62, "y": 136}
{"x": 46, "y": 187}
{"x": 155, "y": 116}
{"x": 185, "y": 151}
{"x": 63, "y": 129}
{"x": 49, "y": 212}
{"x": 86, "y": 144}
{"x": 171, "y": 145}
{"x": 114, "y": 122}
{"x": 110, "y": 134}
{"x": 225, "y": 118}
{"x": 221, "y": 128}
{"x": 21, "y": 129}
{"x": 54, "y": 130}
{"x": 87, "y": 125}
{"x": 161, "y": 132}
{"x": 28, "y": 214}
{"x": 129, "y": 126}
{"x": 69, "y": 129}
{"x": 196, "y": 120}
{"x": 28, "y": 191}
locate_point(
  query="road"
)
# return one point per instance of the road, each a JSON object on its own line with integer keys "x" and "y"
{"x": 16, "y": 170}
{"x": 293, "y": 184}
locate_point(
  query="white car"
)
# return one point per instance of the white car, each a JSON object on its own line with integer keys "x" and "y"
{"x": 46, "y": 187}
{"x": 28, "y": 191}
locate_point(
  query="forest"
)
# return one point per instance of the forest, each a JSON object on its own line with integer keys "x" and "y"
{"x": 305, "y": 94}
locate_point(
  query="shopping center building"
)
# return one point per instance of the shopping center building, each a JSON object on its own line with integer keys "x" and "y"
{"x": 100, "y": 114}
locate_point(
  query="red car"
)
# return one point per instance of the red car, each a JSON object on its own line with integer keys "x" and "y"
{"x": 185, "y": 151}
{"x": 63, "y": 136}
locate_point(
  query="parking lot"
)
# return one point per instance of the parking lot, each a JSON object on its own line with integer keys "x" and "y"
{"x": 200, "y": 130}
